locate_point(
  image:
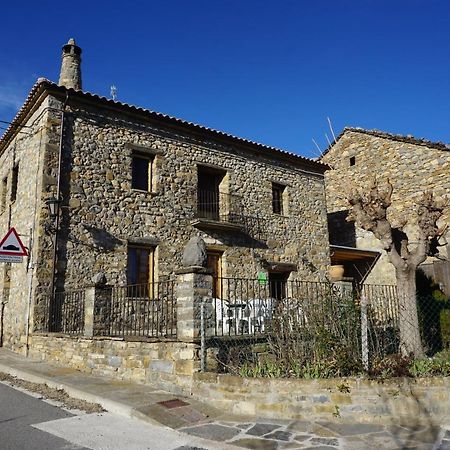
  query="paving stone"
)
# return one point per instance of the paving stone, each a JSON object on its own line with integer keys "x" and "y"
{"x": 244, "y": 426}
{"x": 212, "y": 431}
{"x": 324, "y": 441}
{"x": 188, "y": 414}
{"x": 300, "y": 425}
{"x": 279, "y": 435}
{"x": 260, "y": 429}
{"x": 302, "y": 437}
{"x": 350, "y": 429}
{"x": 321, "y": 447}
{"x": 430, "y": 435}
{"x": 184, "y": 447}
{"x": 358, "y": 443}
{"x": 256, "y": 444}
{"x": 445, "y": 444}
{"x": 290, "y": 445}
{"x": 322, "y": 431}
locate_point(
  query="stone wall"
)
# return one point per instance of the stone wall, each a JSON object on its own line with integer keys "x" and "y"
{"x": 390, "y": 401}
{"x": 167, "y": 363}
{"x": 28, "y": 150}
{"x": 412, "y": 166}
{"x": 102, "y": 213}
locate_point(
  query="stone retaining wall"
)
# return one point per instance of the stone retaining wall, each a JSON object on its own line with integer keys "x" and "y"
{"x": 162, "y": 363}
{"x": 346, "y": 399}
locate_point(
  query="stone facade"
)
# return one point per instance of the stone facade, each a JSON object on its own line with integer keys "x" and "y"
{"x": 411, "y": 165}
{"x": 101, "y": 215}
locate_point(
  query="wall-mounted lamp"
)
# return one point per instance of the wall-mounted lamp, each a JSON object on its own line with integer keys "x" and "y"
{"x": 53, "y": 207}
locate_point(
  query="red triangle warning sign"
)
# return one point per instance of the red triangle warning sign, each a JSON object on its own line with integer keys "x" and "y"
{"x": 12, "y": 245}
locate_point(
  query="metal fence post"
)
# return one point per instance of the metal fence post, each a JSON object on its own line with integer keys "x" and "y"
{"x": 202, "y": 337}
{"x": 364, "y": 333}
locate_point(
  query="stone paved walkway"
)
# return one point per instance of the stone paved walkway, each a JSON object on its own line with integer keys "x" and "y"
{"x": 322, "y": 435}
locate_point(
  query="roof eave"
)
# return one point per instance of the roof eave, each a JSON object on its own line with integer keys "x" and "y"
{"x": 46, "y": 86}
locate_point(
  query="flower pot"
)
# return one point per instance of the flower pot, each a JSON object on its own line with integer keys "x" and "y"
{"x": 336, "y": 272}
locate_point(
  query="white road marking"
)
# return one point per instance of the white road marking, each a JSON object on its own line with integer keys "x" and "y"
{"x": 108, "y": 431}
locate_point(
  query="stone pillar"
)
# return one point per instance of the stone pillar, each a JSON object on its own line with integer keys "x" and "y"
{"x": 97, "y": 310}
{"x": 194, "y": 285}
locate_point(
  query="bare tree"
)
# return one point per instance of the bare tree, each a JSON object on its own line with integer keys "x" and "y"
{"x": 369, "y": 211}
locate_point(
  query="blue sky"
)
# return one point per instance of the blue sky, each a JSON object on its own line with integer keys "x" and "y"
{"x": 270, "y": 71}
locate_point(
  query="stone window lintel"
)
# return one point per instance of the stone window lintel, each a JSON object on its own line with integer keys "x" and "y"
{"x": 150, "y": 241}
{"x": 150, "y": 151}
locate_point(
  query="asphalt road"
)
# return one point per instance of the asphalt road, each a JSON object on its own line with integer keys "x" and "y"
{"x": 18, "y": 411}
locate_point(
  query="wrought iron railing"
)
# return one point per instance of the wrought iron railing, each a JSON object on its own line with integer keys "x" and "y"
{"x": 248, "y": 306}
{"x": 65, "y": 312}
{"x": 219, "y": 206}
{"x": 141, "y": 310}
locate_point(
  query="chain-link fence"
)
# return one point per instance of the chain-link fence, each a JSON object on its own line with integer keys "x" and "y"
{"x": 308, "y": 329}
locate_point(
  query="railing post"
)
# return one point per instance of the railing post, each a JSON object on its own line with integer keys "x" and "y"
{"x": 203, "y": 337}
{"x": 89, "y": 306}
{"x": 364, "y": 333}
{"x": 194, "y": 284}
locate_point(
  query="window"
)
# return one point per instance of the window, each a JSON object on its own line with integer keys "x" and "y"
{"x": 142, "y": 172}
{"x": 214, "y": 262}
{"x": 352, "y": 160}
{"x": 3, "y": 194}
{"x": 277, "y": 284}
{"x": 140, "y": 266}
{"x": 14, "y": 180}
{"x": 209, "y": 198}
{"x": 277, "y": 198}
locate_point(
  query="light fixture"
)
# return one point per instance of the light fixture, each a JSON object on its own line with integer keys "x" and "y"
{"x": 53, "y": 207}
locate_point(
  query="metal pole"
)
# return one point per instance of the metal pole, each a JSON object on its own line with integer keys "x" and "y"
{"x": 202, "y": 337}
{"x": 364, "y": 333}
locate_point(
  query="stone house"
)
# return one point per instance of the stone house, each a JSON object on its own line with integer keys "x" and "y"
{"x": 132, "y": 186}
{"x": 412, "y": 166}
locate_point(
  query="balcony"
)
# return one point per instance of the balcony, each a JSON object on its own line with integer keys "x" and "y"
{"x": 218, "y": 211}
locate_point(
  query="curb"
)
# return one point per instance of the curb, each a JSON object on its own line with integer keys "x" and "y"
{"x": 109, "y": 405}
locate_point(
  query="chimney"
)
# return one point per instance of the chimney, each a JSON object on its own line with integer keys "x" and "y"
{"x": 70, "y": 75}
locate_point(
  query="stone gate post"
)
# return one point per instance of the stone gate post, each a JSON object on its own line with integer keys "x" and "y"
{"x": 194, "y": 284}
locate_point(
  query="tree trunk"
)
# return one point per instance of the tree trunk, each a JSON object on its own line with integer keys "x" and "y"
{"x": 410, "y": 341}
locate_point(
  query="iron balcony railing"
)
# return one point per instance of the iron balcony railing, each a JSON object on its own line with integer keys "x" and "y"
{"x": 219, "y": 206}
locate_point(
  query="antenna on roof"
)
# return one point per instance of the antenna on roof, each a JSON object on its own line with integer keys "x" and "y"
{"x": 318, "y": 148}
{"x": 331, "y": 129}
{"x": 328, "y": 139}
{"x": 113, "y": 92}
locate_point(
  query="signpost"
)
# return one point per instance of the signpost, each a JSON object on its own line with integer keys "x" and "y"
{"x": 11, "y": 248}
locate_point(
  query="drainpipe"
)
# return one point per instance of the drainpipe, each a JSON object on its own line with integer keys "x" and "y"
{"x": 30, "y": 268}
